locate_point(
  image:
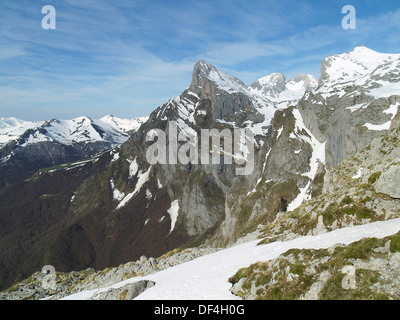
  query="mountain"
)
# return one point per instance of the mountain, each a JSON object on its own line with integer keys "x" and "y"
{"x": 276, "y": 88}
{"x": 27, "y": 146}
{"x": 12, "y": 128}
{"x": 124, "y": 125}
{"x": 360, "y": 191}
{"x": 356, "y": 100}
{"x": 121, "y": 205}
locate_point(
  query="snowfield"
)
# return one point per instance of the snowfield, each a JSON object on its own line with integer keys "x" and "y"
{"x": 206, "y": 278}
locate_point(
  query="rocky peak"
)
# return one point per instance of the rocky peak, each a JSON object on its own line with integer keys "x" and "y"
{"x": 206, "y": 78}
{"x": 270, "y": 85}
{"x": 276, "y": 88}
{"x": 306, "y": 81}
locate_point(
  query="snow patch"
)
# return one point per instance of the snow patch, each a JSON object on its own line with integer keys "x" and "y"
{"x": 117, "y": 195}
{"x": 317, "y": 158}
{"x": 142, "y": 179}
{"x": 378, "y": 127}
{"x": 358, "y": 174}
{"x": 115, "y": 155}
{"x": 148, "y": 194}
{"x": 173, "y": 212}
{"x": 133, "y": 169}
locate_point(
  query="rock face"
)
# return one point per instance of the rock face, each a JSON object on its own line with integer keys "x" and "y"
{"x": 118, "y": 207}
{"x": 355, "y": 101}
{"x": 389, "y": 182}
{"x": 359, "y": 190}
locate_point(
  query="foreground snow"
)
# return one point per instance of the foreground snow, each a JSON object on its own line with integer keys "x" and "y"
{"x": 206, "y": 278}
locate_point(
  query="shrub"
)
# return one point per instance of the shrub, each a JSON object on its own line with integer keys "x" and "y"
{"x": 395, "y": 243}
{"x": 375, "y": 176}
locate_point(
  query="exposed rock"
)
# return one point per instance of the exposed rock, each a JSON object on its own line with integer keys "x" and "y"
{"x": 126, "y": 292}
{"x": 389, "y": 182}
{"x": 317, "y": 286}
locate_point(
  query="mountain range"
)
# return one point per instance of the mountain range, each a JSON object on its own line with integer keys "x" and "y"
{"x": 27, "y": 146}
{"x": 115, "y": 207}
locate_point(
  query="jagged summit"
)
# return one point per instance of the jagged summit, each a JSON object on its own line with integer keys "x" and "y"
{"x": 205, "y": 75}
{"x": 270, "y": 85}
{"x": 271, "y": 91}
{"x": 276, "y": 88}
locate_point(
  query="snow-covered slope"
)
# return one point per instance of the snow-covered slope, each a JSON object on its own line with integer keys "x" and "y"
{"x": 206, "y": 278}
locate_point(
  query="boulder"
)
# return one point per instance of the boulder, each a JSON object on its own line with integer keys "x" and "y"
{"x": 389, "y": 182}
{"x": 126, "y": 292}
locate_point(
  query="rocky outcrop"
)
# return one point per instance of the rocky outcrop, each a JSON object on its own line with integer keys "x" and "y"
{"x": 364, "y": 270}
{"x": 352, "y": 105}
{"x": 126, "y": 292}
{"x": 389, "y": 182}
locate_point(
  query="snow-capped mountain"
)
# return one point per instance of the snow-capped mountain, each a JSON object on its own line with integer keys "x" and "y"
{"x": 12, "y": 128}
{"x": 374, "y": 72}
{"x": 283, "y": 92}
{"x": 26, "y": 146}
{"x": 120, "y": 207}
{"x": 357, "y": 90}
{"x": 81, "y": 129}
{"x": 124, "y": 125}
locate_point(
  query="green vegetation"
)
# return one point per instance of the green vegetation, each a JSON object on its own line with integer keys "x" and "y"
{"x": 375, "y": 176}
{"x": 395, "y": 243}
{"x": 171, "y": 253}
{"x": 46, "y": 196}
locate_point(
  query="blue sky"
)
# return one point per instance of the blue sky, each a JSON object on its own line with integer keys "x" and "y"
{"x": 126, "y": 58}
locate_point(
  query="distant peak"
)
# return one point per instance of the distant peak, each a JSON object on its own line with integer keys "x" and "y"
{"x": 272, "y": 79}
